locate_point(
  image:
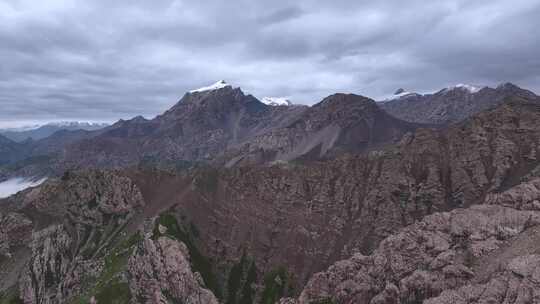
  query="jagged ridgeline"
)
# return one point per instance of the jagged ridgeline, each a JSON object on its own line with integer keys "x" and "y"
{"x": 224, "y": 199}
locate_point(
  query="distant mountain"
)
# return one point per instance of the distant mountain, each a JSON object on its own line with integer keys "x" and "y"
{"x": 10, "y": 150}
{"x": 219, "y": 123}
{"x": 341, "y": 123}
{"x": 451, "y": 104}
{"x": 276, "y": 101}
{"x": 43, "y": 131}
{"x": 203, "y": 124}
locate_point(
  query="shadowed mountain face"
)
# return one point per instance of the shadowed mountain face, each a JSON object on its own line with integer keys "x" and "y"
{"x": 10, "y": 151}
{"x": 452, "y": 104}
{"x": 341, "y": 123}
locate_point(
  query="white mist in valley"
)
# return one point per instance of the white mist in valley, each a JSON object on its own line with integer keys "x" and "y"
{"x": 14, "y": 185}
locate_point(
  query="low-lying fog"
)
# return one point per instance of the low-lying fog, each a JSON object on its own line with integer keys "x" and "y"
{"x": 14, "y": 185}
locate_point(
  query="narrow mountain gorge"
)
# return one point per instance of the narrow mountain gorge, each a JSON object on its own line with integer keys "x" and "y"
{"x": 226, "y": 199}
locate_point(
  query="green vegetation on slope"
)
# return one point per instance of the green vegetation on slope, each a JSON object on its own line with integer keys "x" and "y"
{"x": 277, "y": 284}
{"x": 199, "y": 263}
{"x": 243, "y": 275}
{"x": 10, "y": 296}
{"x": 108, "y": 288}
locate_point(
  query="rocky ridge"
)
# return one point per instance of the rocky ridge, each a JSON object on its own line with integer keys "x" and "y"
{"x": 439, "y": 259}
{"x": 452, "y": 105}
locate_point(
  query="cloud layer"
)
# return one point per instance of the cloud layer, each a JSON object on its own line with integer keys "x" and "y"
{"x": 15, "y": 185}
{"x": 104, "y": 60}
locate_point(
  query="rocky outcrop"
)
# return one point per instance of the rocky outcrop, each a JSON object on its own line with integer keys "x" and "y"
{"x": 15, "y": 231}
{"x": 160, "y": 272}
{"x": 53, "y": 274}
{"x": 78, "y": 222}
{"x": 421, "y": 261}
{"x": 523, "y": 196}
{"x": 519, "y": 282}
{"x": 481, "y": 254}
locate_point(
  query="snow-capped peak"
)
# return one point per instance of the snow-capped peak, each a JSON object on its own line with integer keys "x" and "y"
{"x": 76, "y": 124}
{"x": 403, "y": 93}
{"x": 276, "y": 101}
{"x": 400, "y": 93}
{"x": 218, "y": 85}
{"x": 470, "y": 88}
{"x": 84, "y": 125}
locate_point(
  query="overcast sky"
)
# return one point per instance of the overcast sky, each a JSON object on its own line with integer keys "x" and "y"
{"x": 105, "y": 60}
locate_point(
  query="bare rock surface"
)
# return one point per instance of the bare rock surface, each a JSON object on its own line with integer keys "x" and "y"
{"x": 160, "y": 272}
{"x": 70, "y": 227}
{"x": 519, "y": 282}
{"x": 441, "y": 258}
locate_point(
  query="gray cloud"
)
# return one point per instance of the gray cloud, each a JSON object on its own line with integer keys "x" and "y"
{"x": 104, "y": 60}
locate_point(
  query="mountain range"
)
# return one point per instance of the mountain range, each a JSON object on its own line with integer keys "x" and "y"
{"x": 38, "y": 132}
{"x": 452, "y": 104}
{"x": 420, "y": 198}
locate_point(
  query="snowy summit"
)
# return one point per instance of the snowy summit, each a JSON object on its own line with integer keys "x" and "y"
{"x": 218, "y": 85}
{"x": 467, "y": 87}
{"x": 400, "y": 93}
{"x": 276, "y": 101}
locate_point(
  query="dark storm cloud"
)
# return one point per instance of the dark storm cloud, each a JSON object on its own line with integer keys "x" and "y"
{"x": 104, "y": 60}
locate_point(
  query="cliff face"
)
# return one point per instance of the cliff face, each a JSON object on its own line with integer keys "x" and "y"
{"x": 482, "y": 254}
{"x": 87, "y": 242}
{"x": 159, "y": 271}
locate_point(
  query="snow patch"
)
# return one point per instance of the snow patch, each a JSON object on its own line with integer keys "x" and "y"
{"x": 218, "y": 85}
{"x": 276, "y": 101}
{"x": 401, "y": 94}
{"x": 83, "y": 125}
{"x": 14, "y": 185}
{"x": 467, "y": 87}
{"x": 78, "y": 124}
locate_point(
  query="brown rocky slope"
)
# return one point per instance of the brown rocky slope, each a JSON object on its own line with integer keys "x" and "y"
{"x": 255, "y": 234}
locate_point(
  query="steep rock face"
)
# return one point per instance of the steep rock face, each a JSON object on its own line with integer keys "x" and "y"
{"x": 83, "y": 198}
{"x": 78, "y": 222}
{"x": 338, "y": 124}
{"x": 518, "y": 283}
{"x": 453, "y": 104}
{"x": 15, "y": 231}
{"x": 445, "y": 256}
{"x": 51, "y": 275}
{"x": 160, "y": 272}
{"x": 433, "y": 255}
